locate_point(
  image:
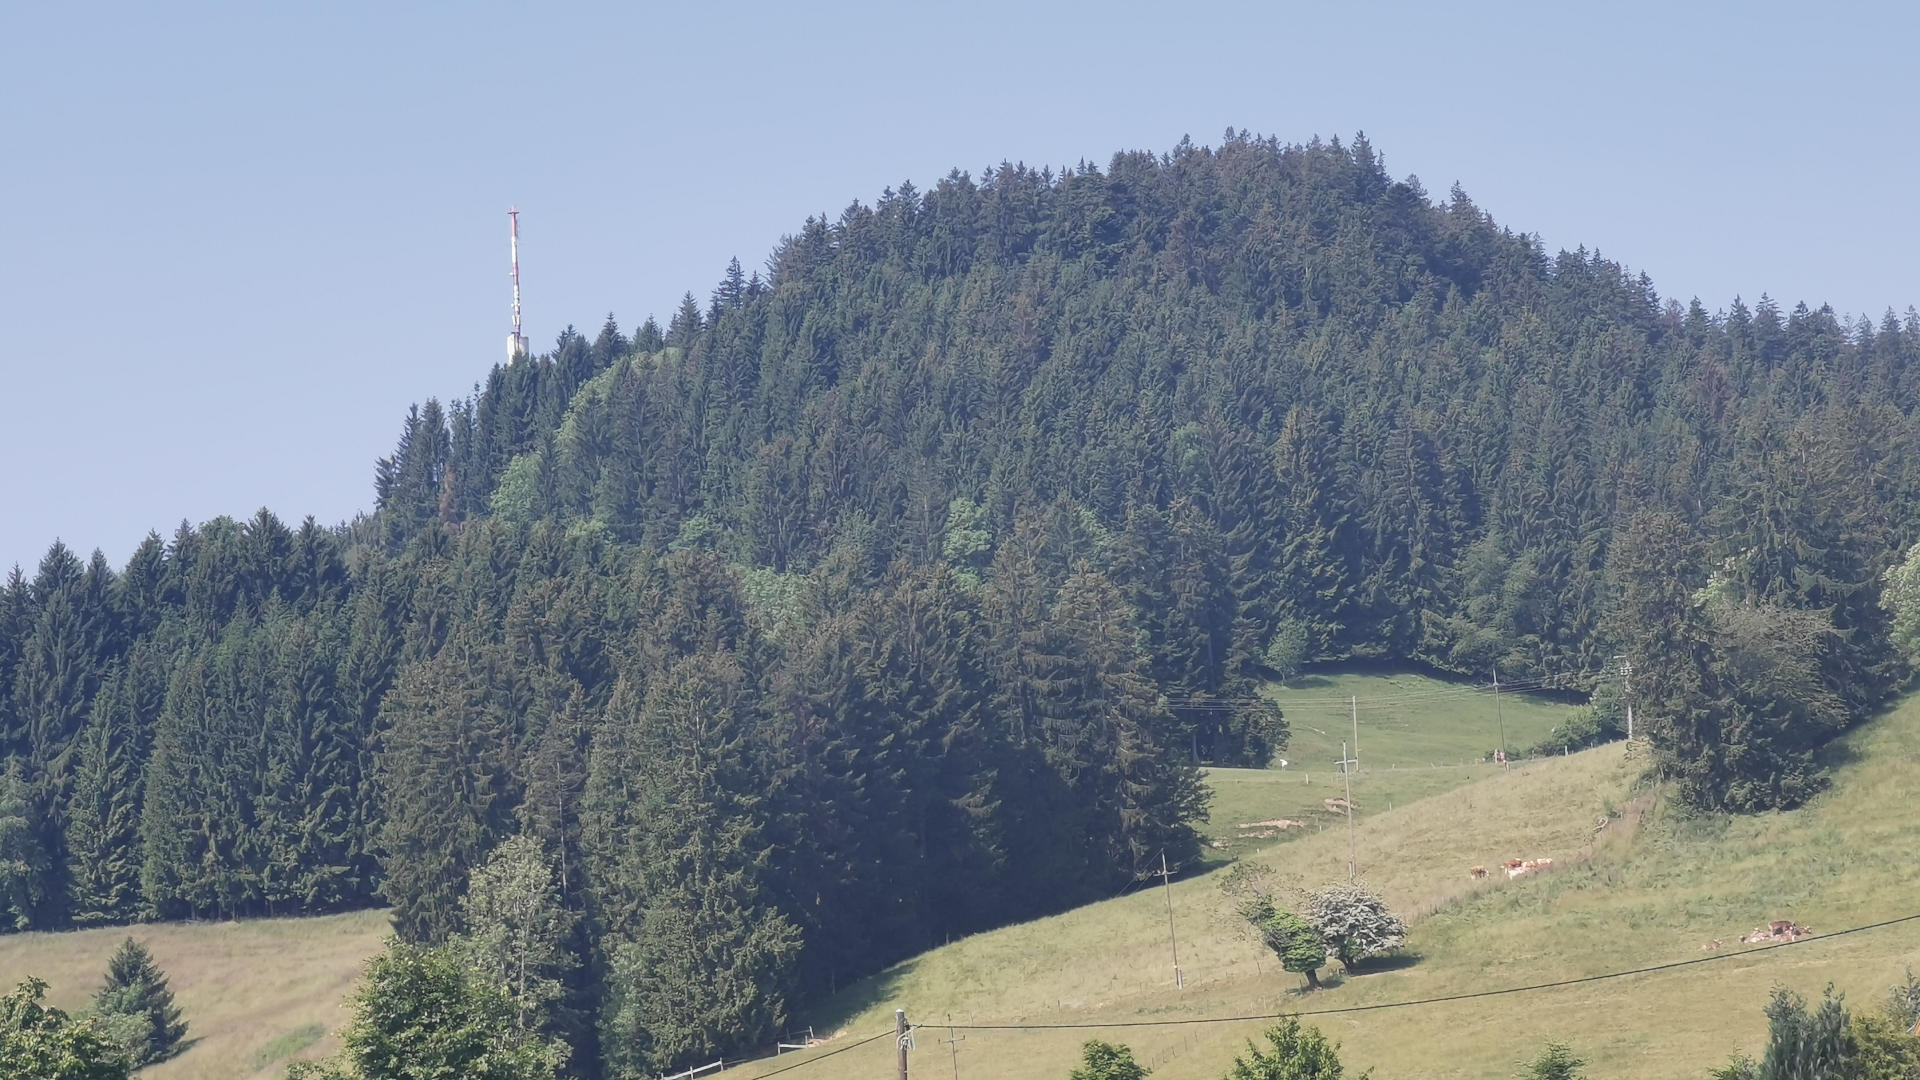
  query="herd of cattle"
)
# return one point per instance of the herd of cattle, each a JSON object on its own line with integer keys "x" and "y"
{"x": 1515, "y": 868}
{"x": 1779, "y": 930}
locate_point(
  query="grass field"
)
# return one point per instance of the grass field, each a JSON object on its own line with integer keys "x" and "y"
{"x": 1418, "y": 737}
{"x": 1643, "y": 891}
{"x": 256, "y": 994}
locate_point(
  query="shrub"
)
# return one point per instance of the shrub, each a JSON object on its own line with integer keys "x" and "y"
{"x": 1105, "y": 1061}
{"x": 1298, "y": 1053}
{"x": 1556, "y": 1062}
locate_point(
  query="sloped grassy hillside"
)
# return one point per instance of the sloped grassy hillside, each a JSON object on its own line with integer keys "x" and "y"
{"x": 1649, "y": 888}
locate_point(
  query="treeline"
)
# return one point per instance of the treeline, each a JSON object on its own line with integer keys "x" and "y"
{"x": 896, "y": 594}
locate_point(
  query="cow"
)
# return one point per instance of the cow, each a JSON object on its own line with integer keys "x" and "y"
{"x": 1780, "y": 926}
{"x": 1477, "y": 872}
{"x": 1712, "y": 945}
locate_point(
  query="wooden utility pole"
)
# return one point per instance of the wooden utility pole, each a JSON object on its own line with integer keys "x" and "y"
{"x": 1499, "y": 717}
{"x": 1346, "y": 765}
{"x": 953, "y": 1043}
{"x": 903, "y": 1035}
{"x": 1626, "y": 676}
{"x": 1166, "y": 879}
{"x": 1354, "y": 701}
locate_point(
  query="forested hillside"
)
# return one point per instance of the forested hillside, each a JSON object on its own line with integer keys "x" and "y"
{"x": 895, "y": 593}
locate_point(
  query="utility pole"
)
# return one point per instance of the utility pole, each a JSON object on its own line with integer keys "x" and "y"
{"x": 1354, "y": 701}
{"x": 904, "y": 1036}
{"x": 1626, "y": 674}
{"x": 1346, "y": 764}
{"x": 953, "y": 1043}
{"x": 1499, "y": 716}
{"x": 1166, "y": 879}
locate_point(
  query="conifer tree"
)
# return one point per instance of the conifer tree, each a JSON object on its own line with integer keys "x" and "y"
{"x": 25, "y": 866}
{"x": 433, "y": 835}
{"x": 103, "y": 825}
{"x": 136, "y": 987}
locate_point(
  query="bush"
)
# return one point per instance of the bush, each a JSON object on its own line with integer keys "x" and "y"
{"x": 136, "y": 1007}
{"x": 1556, "y": 1062}
{"x": 1354, "y": 922}
{"x": 1884, "y": 1049}
{"x": 1105, "y": 1061}
{"x": 1903, "y": 1002}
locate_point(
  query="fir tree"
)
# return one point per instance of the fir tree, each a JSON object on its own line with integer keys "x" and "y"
{"x": 103, "y": 825}
{"x": 137, "y": 988}
{"x": 25, "y": 866}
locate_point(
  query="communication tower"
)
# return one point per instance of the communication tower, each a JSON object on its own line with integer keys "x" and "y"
{"x": 516, "y": 341}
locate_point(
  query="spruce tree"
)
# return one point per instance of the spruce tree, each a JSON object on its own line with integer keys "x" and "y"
{"x": 25, "y": 866}
{"x": 103, "y": 823}
{"x": 137, "y": 988}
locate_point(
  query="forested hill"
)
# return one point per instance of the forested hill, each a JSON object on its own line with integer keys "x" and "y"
{"x": 894, "y": 594}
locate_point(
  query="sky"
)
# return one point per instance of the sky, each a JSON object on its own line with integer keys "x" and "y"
{"x": 240, "y": 239}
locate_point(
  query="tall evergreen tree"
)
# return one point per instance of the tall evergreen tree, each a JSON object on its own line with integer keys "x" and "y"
{"x": 136, "y": 988}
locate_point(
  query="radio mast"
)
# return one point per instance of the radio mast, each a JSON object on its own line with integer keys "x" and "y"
{"x": 516, "y": 341}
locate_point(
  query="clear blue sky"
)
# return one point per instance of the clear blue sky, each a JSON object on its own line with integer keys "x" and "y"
{"x": 241, "y": 238}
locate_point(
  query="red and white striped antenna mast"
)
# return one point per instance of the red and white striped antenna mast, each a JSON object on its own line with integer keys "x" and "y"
{"x": 516, "y": 342}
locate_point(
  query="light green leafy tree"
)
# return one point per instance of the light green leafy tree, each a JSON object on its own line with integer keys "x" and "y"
{"x": 42, "y": 1043}
{"x": 1288, "y": 649}
{"x": 1293, "y": 1052}
{"x": 1300, "y": 947}
{"x": 517, "y": 930}
{"x": 422, "y": 1012}
{"x": 1901, "y": 598}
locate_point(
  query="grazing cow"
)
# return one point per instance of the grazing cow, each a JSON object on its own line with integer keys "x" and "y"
{"x": 1780, "y": 926}
{"x": 1513, "y": 864}
{"x": 1477, "y": 872}
{"x": 1712, "y": 945}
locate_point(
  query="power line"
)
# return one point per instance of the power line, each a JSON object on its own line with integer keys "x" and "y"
{"x": 828, "y": 1054}
{"x": 1445, "y": 998}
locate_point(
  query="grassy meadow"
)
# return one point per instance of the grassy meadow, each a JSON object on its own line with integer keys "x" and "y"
{"x": 1419, "y": 737}
{"x": 1651, "y": 887}
{"x": 256, "y": 994}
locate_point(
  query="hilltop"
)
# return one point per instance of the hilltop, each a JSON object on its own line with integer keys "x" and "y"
{"x": 904, "y": 592}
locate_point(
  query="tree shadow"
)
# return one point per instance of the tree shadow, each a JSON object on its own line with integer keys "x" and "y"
{"x": 864, "y": 994}
{"x": 1837, "y": 754}
{"x": 1397, "y": 961}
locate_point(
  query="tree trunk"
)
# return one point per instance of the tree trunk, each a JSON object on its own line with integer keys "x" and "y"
{"x": 1313, "y": 980}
